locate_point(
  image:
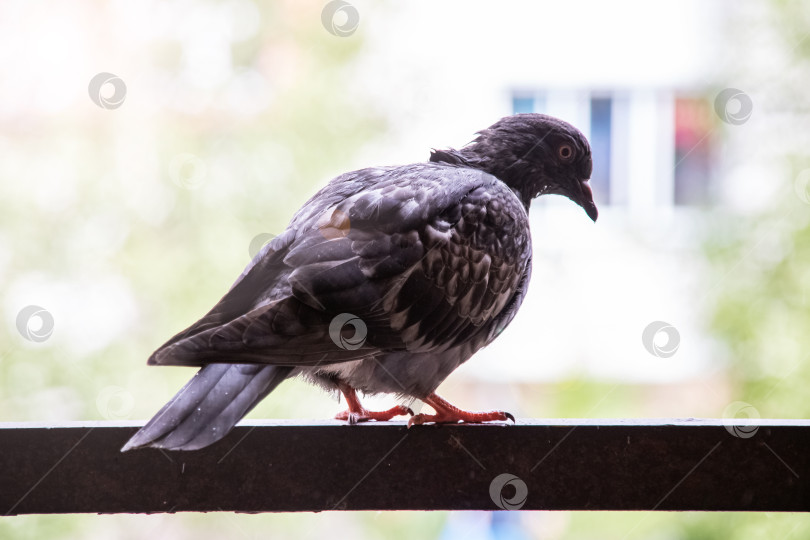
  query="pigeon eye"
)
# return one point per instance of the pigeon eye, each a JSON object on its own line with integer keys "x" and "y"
{"x": 566, "y": 152}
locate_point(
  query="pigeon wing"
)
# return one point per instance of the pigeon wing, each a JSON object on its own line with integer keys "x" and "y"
{"x": 425, "y": 256}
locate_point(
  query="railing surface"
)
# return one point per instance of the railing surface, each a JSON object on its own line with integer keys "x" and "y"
{"x": 648, "y": 464}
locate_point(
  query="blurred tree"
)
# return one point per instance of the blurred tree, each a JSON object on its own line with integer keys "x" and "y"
{"x": 761, "y": 262}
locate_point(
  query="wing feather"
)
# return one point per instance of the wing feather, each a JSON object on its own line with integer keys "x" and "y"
{"x": 424, "y": 255}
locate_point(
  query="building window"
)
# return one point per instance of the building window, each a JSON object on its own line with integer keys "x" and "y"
{"x": 522, "y": 104}
{"x": 614, "y": 120}
{"x": 601, "y": 128}
{"x": 693, "y": 152}
{"x": 528, "y": 102}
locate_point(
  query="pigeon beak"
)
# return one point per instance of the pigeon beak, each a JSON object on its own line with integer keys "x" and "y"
{"x": 586, "y": 200}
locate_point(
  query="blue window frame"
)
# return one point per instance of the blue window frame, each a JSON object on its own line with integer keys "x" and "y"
{"x": 601, "y": 127}
{"x": 693, "y": 152}
{"x": 528, "y": 102}
{"x": 522, "y": 104}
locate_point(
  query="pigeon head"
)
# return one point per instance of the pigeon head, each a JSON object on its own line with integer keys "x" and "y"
{"x": 534, "y": 154}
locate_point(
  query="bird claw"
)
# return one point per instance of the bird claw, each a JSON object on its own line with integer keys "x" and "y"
{"x": 363, "y": 415}
{"x": 465, "y": 417}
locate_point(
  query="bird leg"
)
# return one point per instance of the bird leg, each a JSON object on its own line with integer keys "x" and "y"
{"x": 357, "y": 413}
{"x": 447, "y": 413}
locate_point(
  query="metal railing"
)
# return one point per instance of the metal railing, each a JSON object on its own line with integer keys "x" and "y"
{"x": 533, "y": 465}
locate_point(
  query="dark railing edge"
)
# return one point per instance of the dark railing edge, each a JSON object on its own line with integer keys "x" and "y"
{"x": 318, "y": 465}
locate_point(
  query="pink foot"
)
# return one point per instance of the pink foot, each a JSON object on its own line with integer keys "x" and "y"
{"x": 363, "y": 415}
{"x": 450, "y": 414}
{"x": 357, "y": 413}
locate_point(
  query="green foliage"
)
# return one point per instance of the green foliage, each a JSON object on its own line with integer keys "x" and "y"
{"x": 762, "y": 312}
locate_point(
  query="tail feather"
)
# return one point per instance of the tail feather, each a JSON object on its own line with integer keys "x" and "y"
{"x": 208, "y": 406}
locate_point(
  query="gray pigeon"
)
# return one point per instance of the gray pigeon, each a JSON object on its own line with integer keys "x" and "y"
{"x": 385, "y": 281}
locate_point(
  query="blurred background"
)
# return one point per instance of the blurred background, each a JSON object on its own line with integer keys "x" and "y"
{"x": 148, "y": 150}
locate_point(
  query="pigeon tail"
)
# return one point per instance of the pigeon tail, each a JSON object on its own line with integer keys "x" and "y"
{"x": 208, "y": 406}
